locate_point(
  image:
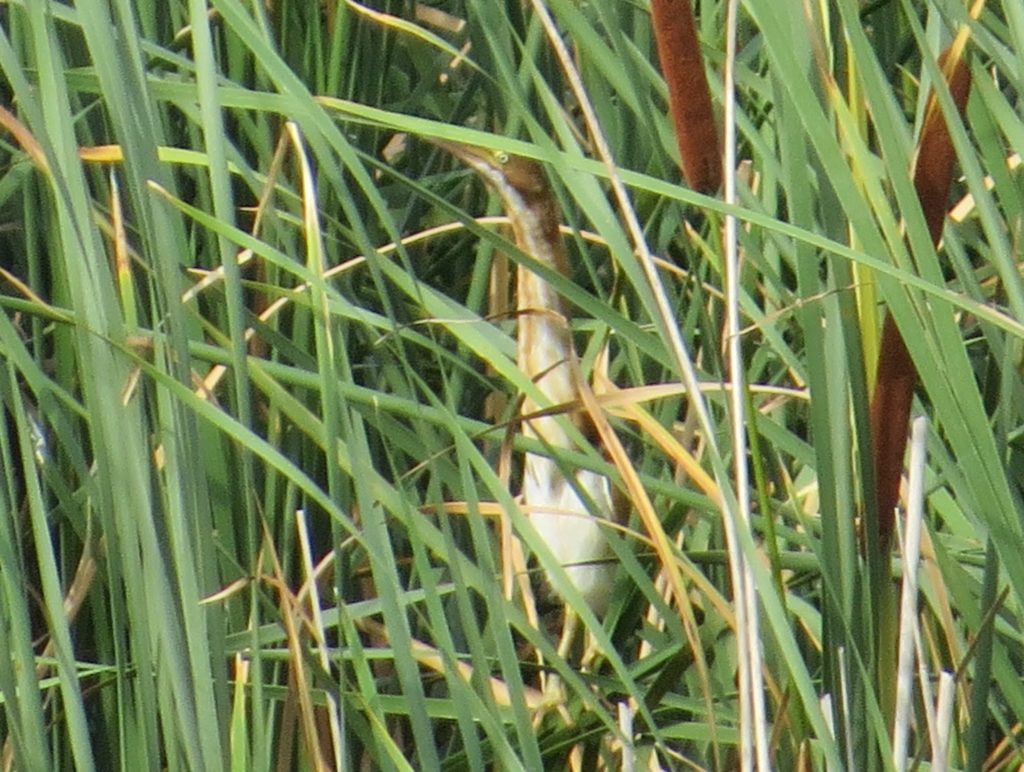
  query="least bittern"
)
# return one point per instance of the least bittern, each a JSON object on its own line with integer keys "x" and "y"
{"x": 571, "y": 530}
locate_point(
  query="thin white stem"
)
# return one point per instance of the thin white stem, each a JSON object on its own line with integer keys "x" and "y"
{"x": 844, "y": 686}
{"x": 753, "y": 723}
{"x": 666, "y": 318}
{"x": 752, "y": 713}
{"x": 626, "y": 727}
{"x": 908, "y": 600}
{"x": 333, "y": 713}
{"x": 943, "y": 721}
{"x": 825, "y": 704}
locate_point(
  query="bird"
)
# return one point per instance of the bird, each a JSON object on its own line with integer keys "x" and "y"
{"x": 573, "y": 531}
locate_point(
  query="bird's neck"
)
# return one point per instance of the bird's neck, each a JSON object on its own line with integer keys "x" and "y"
{"x": 546, "y": 353}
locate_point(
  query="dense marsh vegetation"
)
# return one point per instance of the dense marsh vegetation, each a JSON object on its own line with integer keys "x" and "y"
{"x": 257, "y": 468}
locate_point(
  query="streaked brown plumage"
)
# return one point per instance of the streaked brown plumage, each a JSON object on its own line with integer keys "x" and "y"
{"x": 546, "y": 354}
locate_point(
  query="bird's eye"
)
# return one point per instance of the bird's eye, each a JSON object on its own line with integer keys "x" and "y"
{"x": 501, "y": 157}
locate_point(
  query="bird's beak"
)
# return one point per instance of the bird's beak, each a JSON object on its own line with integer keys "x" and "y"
{"x": 471, "y": 155}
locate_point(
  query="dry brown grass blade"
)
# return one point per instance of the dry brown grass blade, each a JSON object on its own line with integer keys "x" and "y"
{"x": 663, "y": 547}
{"x": 430, "y": 658}
{"x": 298, "y": 700}
{"x": 24, "y": 138}
{"x": 77, "y": 592}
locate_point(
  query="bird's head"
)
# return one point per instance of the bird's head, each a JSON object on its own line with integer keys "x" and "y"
{"x": 504, "y": 172}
